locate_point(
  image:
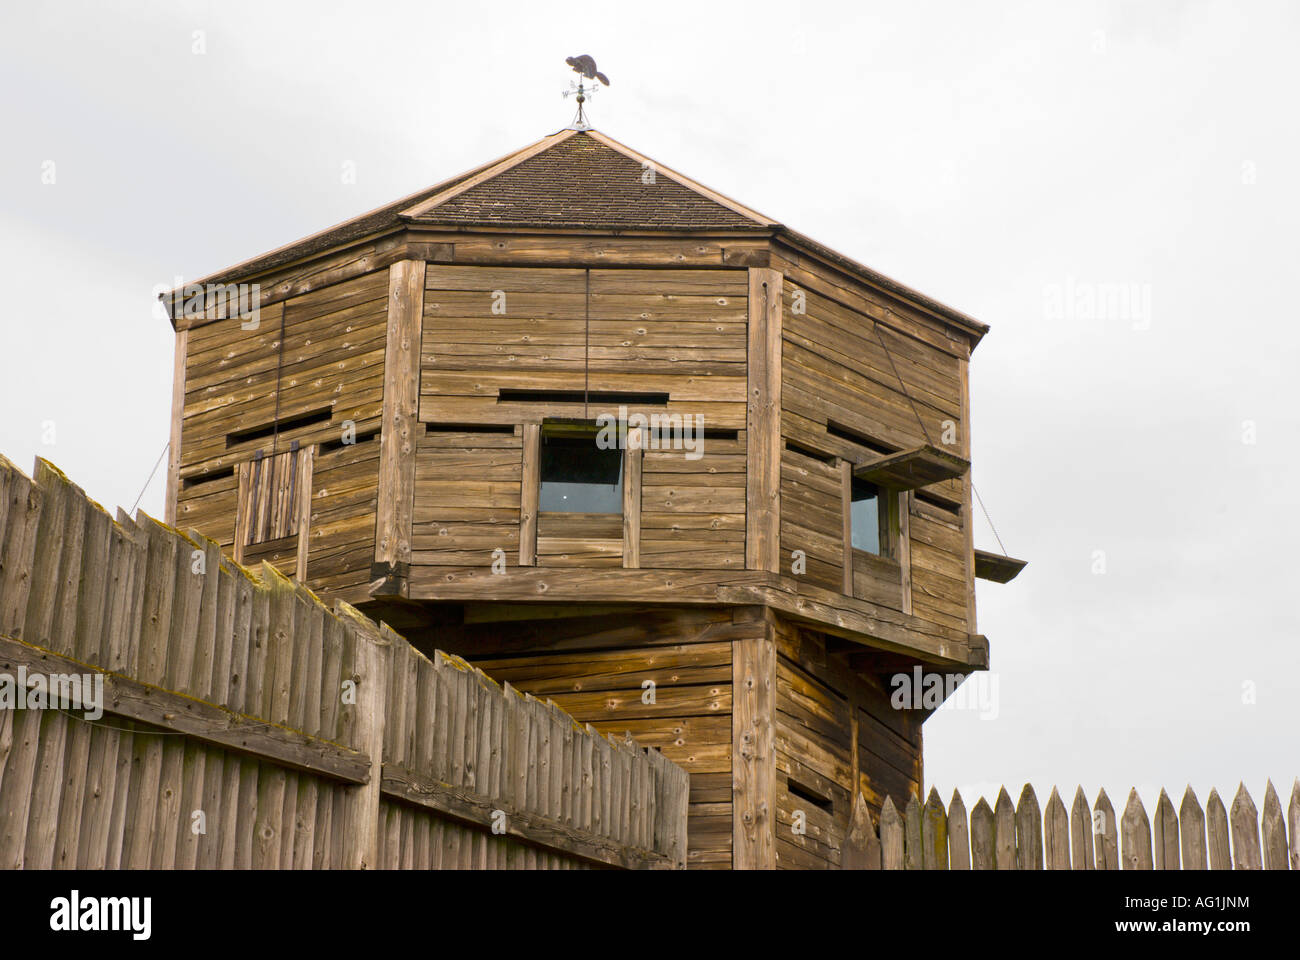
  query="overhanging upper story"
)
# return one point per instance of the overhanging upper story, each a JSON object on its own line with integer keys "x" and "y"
{"x": 574, "y": 376}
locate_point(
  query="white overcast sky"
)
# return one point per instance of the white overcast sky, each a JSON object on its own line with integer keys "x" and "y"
{"x": 1010, "y": 159}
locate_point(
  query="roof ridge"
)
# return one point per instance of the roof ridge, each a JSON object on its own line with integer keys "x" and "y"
{"x": 584, "y": 177}
{"x": 491, "y": 171}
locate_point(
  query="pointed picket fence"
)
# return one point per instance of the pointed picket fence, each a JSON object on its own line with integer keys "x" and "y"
{"x": 1021, "y": 836}
{"x": 247, "y": 725}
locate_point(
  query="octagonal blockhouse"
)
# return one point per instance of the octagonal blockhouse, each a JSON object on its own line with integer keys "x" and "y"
{"x": 624, "y": 443}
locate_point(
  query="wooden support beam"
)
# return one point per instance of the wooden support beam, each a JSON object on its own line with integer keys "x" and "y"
{"x": 827, "y": 610}
{"x": 632, "y": 457}
{"x": 174, "y": 444}
{"x": 753, "y": 745}
{"x": 912, "y": 469}
{"x": 846, "y": 509}
{"x": 401, "y": 415}
{"x": 967, "y": 513}
{"x": 468, "y": 806}
{"x": 905, "y": 547}
{"x": 306, "y": 463}
{"x": 147, "y": 703}
{"x": 243, "y": 513}
{"x": 996, "y": 567}
{"x": 763, "y": 422}
{"x": 529, "y": 492}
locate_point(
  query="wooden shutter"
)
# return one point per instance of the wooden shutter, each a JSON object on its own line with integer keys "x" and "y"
{"x": 274, "y": 509}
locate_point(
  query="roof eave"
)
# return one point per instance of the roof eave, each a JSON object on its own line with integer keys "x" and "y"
{"x": 975, "y": 329}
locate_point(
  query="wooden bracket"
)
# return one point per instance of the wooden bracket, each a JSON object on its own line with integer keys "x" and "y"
{"x": 912, "y": 469}
{"x": 996, "y": 567}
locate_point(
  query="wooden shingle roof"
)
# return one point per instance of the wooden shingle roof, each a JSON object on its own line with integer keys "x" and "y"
{"x": 570, "y": 180}
{"x": 582, "y": 181}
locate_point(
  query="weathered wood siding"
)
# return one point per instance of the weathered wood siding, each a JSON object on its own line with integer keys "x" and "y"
{"x": 596, "y": 668}
{"x": 467, "y": 495}
{"x": 841, "y": 397}
{"x": 329, "y": 371}
{"x": 834, "y": 731}
{"x": 693, "y": 511}
{"x": 674, "y": 332}
{"x": 341, "y": 536}
{"x": 680, "y": 332}
{"x": 938, "y": 573}
{"x": 812, "y": 519}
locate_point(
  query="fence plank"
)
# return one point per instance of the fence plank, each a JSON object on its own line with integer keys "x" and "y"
{"x": 1135, "y": 834}
{"x": 1216, "y": 828}
{"x": 1056, "y": 833}
{"x": 362, "y": 812}
{"x": 1081, "y": 849}
{"x": 43, "y": 585}
{"x": 1164, "y": 839}
{"x": 1029, "y": 831}
{"x": 97, "y": 810}
{"x": 24, "y": 501}
{"x": 166, "y": 822}
{"x": 891, "y": 836}
{"x": 1004, "y": 832}
{"x": 1273, "y": 830}
{"x": 1293, "y": 824}
{"x": 861, "y": 850}
{"x": 1105, "y": 833}
{"x": 95, "y": 582}
{"x": 1244, "y": 819}
{"x": 934, "y": 833}
{"x": 209, "y": 845}
{"x": 115, "y": 839}
{"x": 72, "y": 792}
{"x": 958, "y": 834}
{"x": 983, "y": 837}
{"x": 43, "y": 816}
{"x": 913, "y": 854}
{"x": 1191, "y": 831}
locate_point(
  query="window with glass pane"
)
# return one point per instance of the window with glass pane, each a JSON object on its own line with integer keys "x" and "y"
{"x": 864, "y": 516}
{"x": 578, "y": 476}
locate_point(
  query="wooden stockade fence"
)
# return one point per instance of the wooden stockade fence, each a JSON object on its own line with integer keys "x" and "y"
{"x": 247, "y": 725}
{"x": 1019, "y": 836}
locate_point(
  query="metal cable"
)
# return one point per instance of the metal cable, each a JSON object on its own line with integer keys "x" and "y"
{"x": 166, "y": 446}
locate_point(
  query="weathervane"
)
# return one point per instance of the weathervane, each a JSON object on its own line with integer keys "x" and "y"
{"x": 585, "y": 67}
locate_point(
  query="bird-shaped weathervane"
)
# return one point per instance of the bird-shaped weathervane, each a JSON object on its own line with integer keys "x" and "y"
{"x": 585, "y": 66}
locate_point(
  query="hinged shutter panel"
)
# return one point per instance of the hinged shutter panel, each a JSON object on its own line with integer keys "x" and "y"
{"x": 274, "y": 499}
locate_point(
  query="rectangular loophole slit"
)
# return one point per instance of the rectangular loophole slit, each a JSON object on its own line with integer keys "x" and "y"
{"x": 189, "y": 483}
{"x": 944, "y": 505}
{"x": 490, "y": 428}
{"x": 577, "y": 396}
{"x": 844, "y": 433}
{"x": 797, "y": 789}
{"x": 329, "y": 446}
{"x": 280, "y": 426}
{"x": 809, "y": 452}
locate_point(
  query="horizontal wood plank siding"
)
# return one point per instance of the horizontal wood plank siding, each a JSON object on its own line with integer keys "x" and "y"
{"x": 693, "y": 510}
{"x": 328, "y": 371}
{"x": 467, "y": 495}
{"x": 341, "y": 538}
{"x": 839, "y": 384}
{"x": 812, "y": 519}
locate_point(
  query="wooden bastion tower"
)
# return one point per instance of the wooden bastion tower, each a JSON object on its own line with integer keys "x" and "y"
{"x": 625, "y": 443}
